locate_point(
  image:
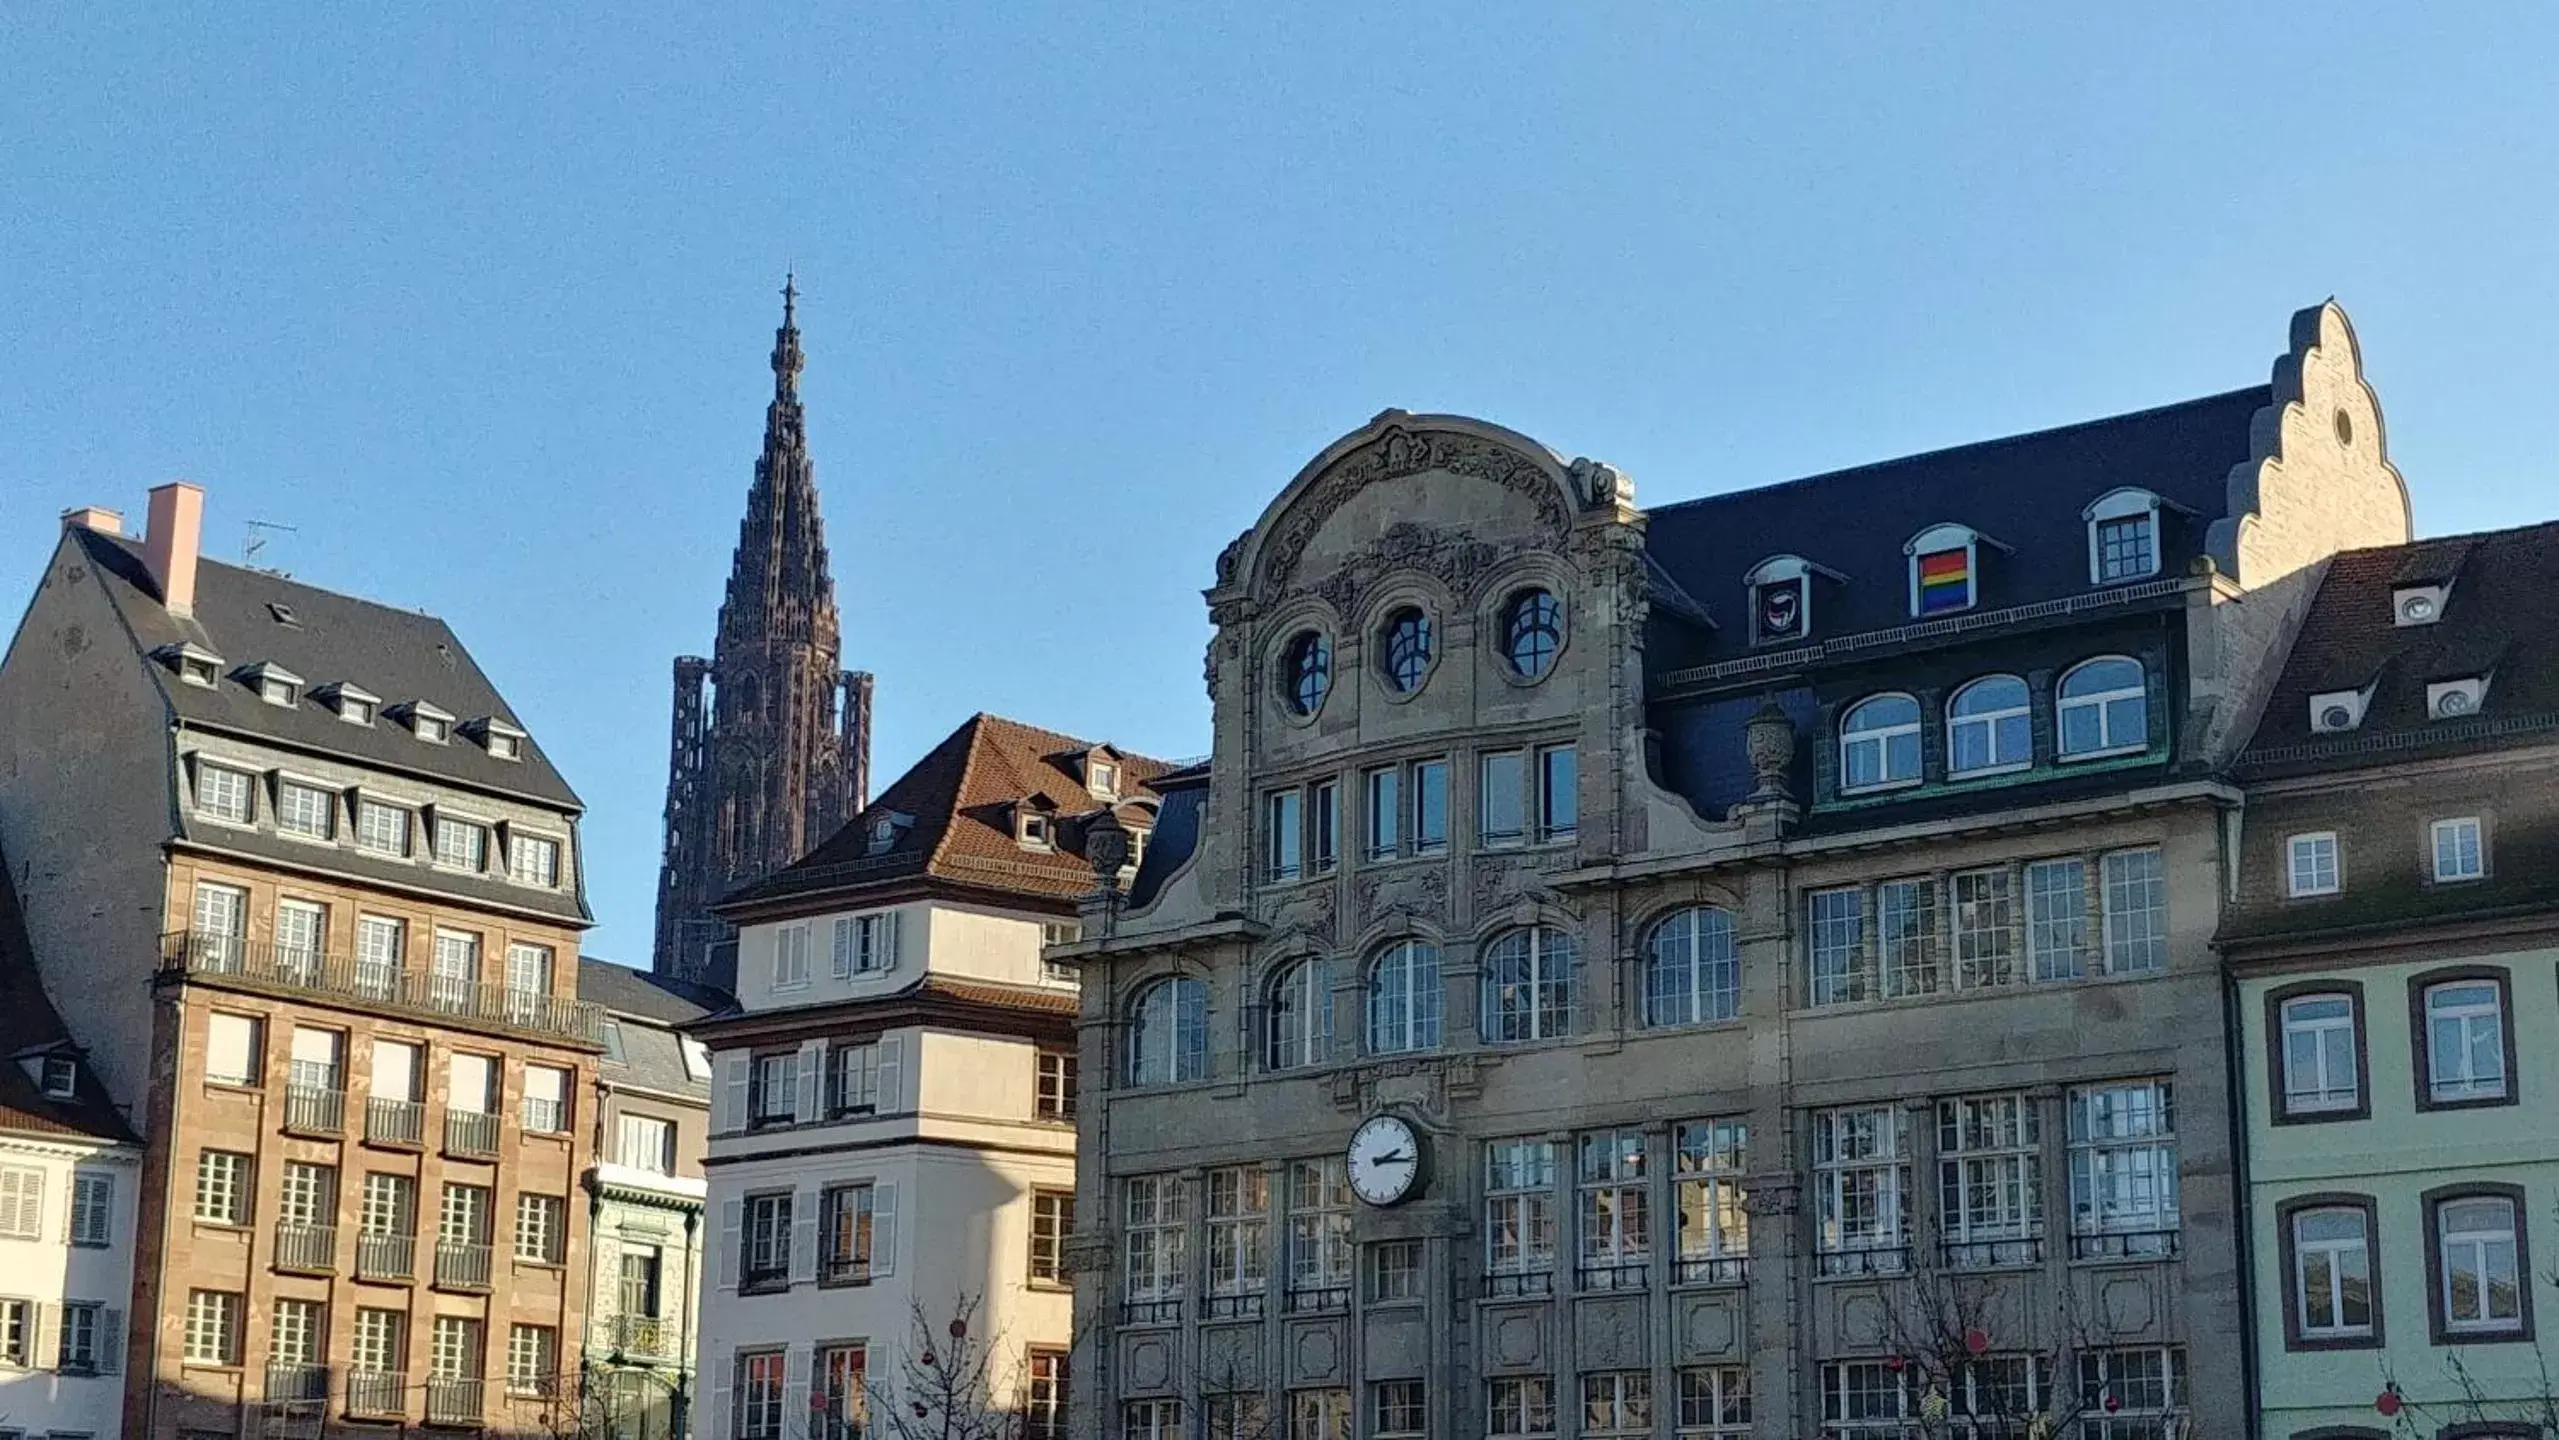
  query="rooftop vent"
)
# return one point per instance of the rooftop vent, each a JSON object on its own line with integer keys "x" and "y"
{"x": 2456, "y": 699}
{"x": 2334, "y": 712}
{"x": 283, "y": 614}
{"x": 2417, "y": 604}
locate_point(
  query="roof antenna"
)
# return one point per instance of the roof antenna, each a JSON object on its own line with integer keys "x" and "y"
{"x": 254, "y": 543}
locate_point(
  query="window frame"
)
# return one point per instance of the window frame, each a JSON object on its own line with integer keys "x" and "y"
{"x": 1710, "y": 1165}
{"x": 1423, "y": 638}
{"x": 1186, "y": 1063}
{"x": 2438, "y": 1322}
{"x": 1306, "y": 673}
{"x": 1412, "y": 1007}
{"x": 245, "y": 780}
{"x": 1957, "y": 722}
{"x": 2279, "y": 1107}
{"x": 2436, "y": 830}
{"x": 1697, "y": 999}
{"x": 2092, "y": 1230}
{"x": 2108, "y": 747}
{"x": 2421, "y": 1035}
{"x": 2126, "y": 502}
{"x": 1052, "y": 1227}
{"x": 1779, "y": 572}
{"x": 2298, "y": 1336}
{"x": 1527, "y": 613}
{"x": 1882, "y": 737}
{"x": 1943, "y": 538}
{"x": 2294, "y": 846}
{"x": 1297, "y": 1014}
{"x": 325, "y": 830}
{"x": 1541, "y": 959}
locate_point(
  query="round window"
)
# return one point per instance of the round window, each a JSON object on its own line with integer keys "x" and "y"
{"x": 1309, "y": 676}
{"x": 1407, "y": 649}
{"x": 1532, "y": 633}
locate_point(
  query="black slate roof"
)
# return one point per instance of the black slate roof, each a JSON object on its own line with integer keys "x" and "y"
{"x": 30, "y": 1026}
{"x": 399, "y": 655}
{"x": 622, "y": 990}
{"x": 2026, "y": 492}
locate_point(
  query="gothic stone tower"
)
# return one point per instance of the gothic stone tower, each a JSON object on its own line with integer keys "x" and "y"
{"x": 772, "y": 740}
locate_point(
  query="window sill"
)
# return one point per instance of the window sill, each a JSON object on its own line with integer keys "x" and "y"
{"x": 2321, "y": 1115}
{"x": 241, "y": 1086}
{"x": 328, "y": 842}
{"x": 1048, "y": 1287}
{"x": 2427, "y": 1104}
{"x": 220, "y": 1227}
{"x": 777, "y": 1286}
{"x": 2312, "y": 1344}
{"x": 845, "y": 1282}
{"x": 1881, "y": 787}
{"x": 1957, "y": 777}
{"x": 2109, "y": 753}
{"x": 2507, "y": 1335}
{"x": 528, "y": 1262}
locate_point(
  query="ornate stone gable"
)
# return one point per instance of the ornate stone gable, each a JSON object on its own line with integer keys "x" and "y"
{"x": 1396, "y": 453}
{"x": 1447, "y": 556}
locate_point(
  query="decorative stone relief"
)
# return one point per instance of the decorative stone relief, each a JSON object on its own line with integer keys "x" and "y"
{"x": 1396, "y": 1345}
{"x": 2124, "y": 1303}
{"x": 1315, "y": 1354}
{"x": 1087, "y": 1254}
{"x": 1448, "y": 556}
{"x": 1397, "y": 453}
{"x": 1601, "y": 485}
{"x": 1706, "y": 1327}
{"x": 1419, "y": 894}
{"x": 1517, "y": 1338}
{"x": 1148, "y": 1362}
{"x": 1500, "y": 879}
{"x": 1228, "y": 558}
{"x": 1306, "y": 911}
{"x": 1231, "y": 1357}
{"x": 1772, "y": 1195}
{"x": 1611, "y": 1334}
{"x": 1864, "y": 1321}
{"x": 1422, "y": 1084}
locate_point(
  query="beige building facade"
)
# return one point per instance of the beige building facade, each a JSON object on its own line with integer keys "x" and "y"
{"x": 309, "y": 899}
{"x": 1736, "y": 968}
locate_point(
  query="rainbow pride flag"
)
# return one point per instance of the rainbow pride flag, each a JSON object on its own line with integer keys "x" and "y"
{"x": 1945, "y": 581}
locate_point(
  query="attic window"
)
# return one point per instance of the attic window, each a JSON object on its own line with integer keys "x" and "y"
{"x": 2123, "y": 536}
{"x": 2417, "y": 604}
{"x": 1781, "y": 600}
{"x": 425, "y": 721}
{"x": 1102, "y": 778}
{"x": 883, "y": 832}
{"x": 354, "y": 706}
{"x": 61, "y": 1077}
{"x": 1031, "y": 831}
{"x": 2456, "y": 699}
{"x": 198, "y": 671}
{"x": 275, "y": 685}
{"x": 2333, "y": 712}
{"x": 1136, "y": 851}
{"x": 432, "y": 730}
{"x": 1945, "y": 570}
{"x": 503, "y": 746}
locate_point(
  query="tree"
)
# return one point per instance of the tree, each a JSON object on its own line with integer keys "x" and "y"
{"x": 2471, "y": 1399}
{"x": 1964, "y": 1376}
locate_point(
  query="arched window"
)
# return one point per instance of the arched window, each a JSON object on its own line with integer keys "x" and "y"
{"x": 2105, "y": 708}
{"x": 1987, "y": 727}
{"x": 1879, "y": 743}
{"x": 1690, "y": 975}
{"x": 1407, "y": 649}
{"x": 1532, "y": 633}
{"x": 1297, "y": 1026}
{"x": 1528, "y": 986}
{"x": 1404, "y": 999}
{"x": 1310, "y": 671}
{"x": 1168, "y": 1032}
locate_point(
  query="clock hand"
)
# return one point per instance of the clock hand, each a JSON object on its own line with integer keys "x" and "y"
{"x": 1392, "y": 1157}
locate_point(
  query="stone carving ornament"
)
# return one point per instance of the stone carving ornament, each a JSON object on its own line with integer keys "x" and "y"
{"x": 1454, "y": 560}
{"x": 1423, "y": 895}
{"x": 1396, "y": 453}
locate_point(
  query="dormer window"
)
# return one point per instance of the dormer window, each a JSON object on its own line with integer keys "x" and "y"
{"x": 2123, "y": 536}
{"x": 1031, "y": 831}
{"x": 1945, "y": 570}
{"x": 192, "y": 662}
{"x": 61, "y": 1077}
{"x": 1102, "y": 778}
{"x": 355, "y": 706}
{"x": 883, "y": 832}
{"x": 2334, "y": 712}
{"x": 427, "y": 722}
{"x": 2456, "y": 699}
{"x": 274, "y": 684}
{"x": 1781, "y": 600}
{"x": 1136, "y": 852}
{"x": 2417, "y": 604}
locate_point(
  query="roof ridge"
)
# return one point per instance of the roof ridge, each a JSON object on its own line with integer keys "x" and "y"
{"x": 1972, "y": 446}
{"x": 2414, "y": 542}
{"x": 1077, "y": 741}
{"x": 975, "y": 728}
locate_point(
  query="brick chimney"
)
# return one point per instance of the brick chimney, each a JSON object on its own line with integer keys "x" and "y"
{"x": 94, "y": 517}
{"x": 171, "y": 539}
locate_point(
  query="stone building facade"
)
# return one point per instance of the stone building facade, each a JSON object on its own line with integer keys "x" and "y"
{"x": 772, "y": 740}
{"x": 2392, "y": 953}
{"x": 1741, "y": 967}
{"x": 308, "y": 897}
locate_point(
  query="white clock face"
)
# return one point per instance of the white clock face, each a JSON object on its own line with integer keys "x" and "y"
{"x": 1385, "y": 1160}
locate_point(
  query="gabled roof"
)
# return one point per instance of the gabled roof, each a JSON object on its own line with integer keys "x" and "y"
{"x": 962, "y": 796}
{"x": 639, "y": 994}
{"x": 29, "y": 1025}
{"x": 2028, "y": 491}
{"x": 330, "y": 639}
{"x": 2500, "y": 619}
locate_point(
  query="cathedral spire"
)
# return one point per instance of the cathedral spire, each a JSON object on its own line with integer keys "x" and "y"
{"x": 786, "y": 345}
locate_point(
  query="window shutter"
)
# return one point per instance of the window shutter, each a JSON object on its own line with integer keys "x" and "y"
{"x": 803, "y": 1238}
{"x": 889, "y": 928}
{"x": 843, "y": 947}
{"x": 805, "y": 1105}
{"x": 795, "y": 1387}
{"x": 732, "y": 1234}
{"x": 883, "y": 1229}
{"x": 46, "y": 1322}
{"x": 892, "y": 1099}
{"x": 733, "y": 1076}
{"x": 110, "y": 1341}
{"x": 723, "y": 1377}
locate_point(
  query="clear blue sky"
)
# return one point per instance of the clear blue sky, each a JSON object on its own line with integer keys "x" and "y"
{"x": 480, "y": 298}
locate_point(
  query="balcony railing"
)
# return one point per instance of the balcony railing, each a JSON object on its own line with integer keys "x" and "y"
{"x": 471, "y": 1134}
{"x": 312, "y": 1248}
{"x": 2125, "y": 1245}
{"x": 1866, "y": 1260}
{"x": 395, "y": 1122}
{"x": 385, "y": 1257}
{"x": 1245, "y": 1306}
{"x": 311, "y": 1109}
{"x": 1317, "y": 1299}
{"x": 1614, "y": 1275}
{"x": 1514, "y": 1284}
{"x": 297, "y": 1385}
{"x": 377, "y": 1394}
{"x": 460, "y": 1266}
{"x": 545, "y": 1116}
{"x": 452, "y": 1401}
{"x": 378, "y": 986}
{"x": 1712, "y": 1270}
{"x": 641, "y": 1335}
{"x": 1993, "y": 1254}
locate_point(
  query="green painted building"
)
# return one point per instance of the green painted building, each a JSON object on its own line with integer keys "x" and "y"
{"x": 2393, "y": 962}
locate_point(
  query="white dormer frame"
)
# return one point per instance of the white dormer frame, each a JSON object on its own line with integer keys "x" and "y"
{"x": 69, "y": 1086}
{"x": 1035, "y": 823}
{"x": 1783, "y": 570}
{"x": 2457, "y": 699}
{"x": 2352, "y": 702}
{"x": 1935, "y": 540}
{"x": 2124, "y": 502}
{"x": 192, "y": 663}
{"x": 420, "y": 715}
{"x": 353, "y": 703}
{"x": 2426, "y": 601}
{"x": 1102, "y": 772}
{"x": 885, "y": 827}
{"x": 503, "y": 741}
{"x": 267, "y": 678}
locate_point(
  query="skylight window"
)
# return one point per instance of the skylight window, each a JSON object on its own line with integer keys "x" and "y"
{"x": 283, "y": 614}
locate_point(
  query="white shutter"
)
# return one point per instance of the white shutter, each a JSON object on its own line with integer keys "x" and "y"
{"x": 110, "y": 1340}
{"x": 892, "y": 1099}
{"x": 723, "y": 1378}
{"x": 45, "y": 1324}
{"x": 22, "y": 1202}
{"x": 812, "y": 1064}
{"x": 733, "y": 1077}
{"x": 843, "y": 947}
{"x": 883, "y": 1229}
{"x": 732, "y": 1233}
{"x": 889, "y": 939}
{"x": 795, "y": 1386}
{"x": 803, "y": 1238}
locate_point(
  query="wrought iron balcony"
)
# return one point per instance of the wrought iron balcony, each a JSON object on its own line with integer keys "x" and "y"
{"x": 454, "y": 1401}
{"x": 471, "y": 1134}
{"x": 386, "y": 1257}
{"x": 297, "y": 1385}
{"x": 395, "y": 1122}
{"x": 311, "y": 1248}
{"x": 461, "y": 1266}
{"x": 375, "y": 986}
{"x": 377, "y": 1394}
{"x": 642, "y": 1335}
{"x": 315, "y": 1100}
